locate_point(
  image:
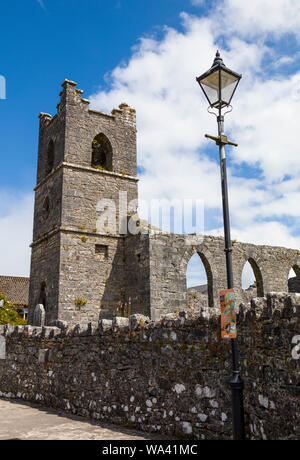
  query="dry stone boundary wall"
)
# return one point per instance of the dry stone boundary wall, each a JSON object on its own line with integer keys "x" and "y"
{"x": 169, "y": 377}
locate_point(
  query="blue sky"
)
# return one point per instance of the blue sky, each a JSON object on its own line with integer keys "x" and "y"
{"x": 148, "y": 53}
{"x": 41, "y": 46}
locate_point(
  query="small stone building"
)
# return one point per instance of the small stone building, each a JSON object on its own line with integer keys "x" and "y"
{"x": 85, "y": 263}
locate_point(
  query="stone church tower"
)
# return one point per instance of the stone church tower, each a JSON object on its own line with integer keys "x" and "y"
{"x": 84, "y": 156}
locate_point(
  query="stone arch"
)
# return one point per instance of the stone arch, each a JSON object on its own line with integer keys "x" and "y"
{"x": 257, "y": 275}
{"x": 50, "y": 157}
{"x": 294, "y": 282}
{"x": 209, "y": 275}
{"x": 101, "y": 153}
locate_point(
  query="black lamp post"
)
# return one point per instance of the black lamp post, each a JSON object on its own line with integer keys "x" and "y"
{"x": 219, "y": 84}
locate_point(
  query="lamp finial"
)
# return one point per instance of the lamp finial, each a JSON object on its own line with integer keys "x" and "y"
{"x": 218, "y": 59}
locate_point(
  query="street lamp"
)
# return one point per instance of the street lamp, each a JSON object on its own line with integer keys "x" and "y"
{"x": 219, "y": 84}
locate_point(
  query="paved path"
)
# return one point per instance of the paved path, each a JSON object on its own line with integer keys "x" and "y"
{"x": 30, "y": 421}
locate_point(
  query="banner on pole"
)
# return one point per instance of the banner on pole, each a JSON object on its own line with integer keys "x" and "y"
{"x": 228, "y": 316}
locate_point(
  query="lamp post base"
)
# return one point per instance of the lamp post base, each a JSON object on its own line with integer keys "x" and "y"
{"x": 237, "y": 386}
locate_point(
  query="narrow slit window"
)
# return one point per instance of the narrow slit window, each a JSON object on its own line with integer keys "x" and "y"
{"x": 101, "y": 250}
{"x": 50, "y": 158}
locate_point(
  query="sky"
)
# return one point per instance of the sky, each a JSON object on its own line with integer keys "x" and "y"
{"x": 148, "y": 53}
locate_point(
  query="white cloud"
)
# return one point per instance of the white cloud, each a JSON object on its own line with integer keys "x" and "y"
{"x": 15, "y": 233}
{"x": 263, "y": 17}
{"x": 159, "y": 81}
{"x": 266, "y": 122}
{"x": 271, "y": 233}
{"x": 284, "y": 60}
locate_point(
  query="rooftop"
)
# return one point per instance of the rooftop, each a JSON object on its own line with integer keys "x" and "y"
{"x": 15, "y": 288}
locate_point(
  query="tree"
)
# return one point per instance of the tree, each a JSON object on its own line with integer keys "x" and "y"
{"x": 8, "y": 314}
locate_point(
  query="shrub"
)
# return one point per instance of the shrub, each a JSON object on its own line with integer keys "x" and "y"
{"x": 8, "y": 314}
{"x": 80, "y": 302}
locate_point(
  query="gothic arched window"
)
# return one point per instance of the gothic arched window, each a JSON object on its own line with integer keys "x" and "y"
{"x": 252, "y": 280}
{"x": 101, "y": 153}
{"x": 199, "y": 280}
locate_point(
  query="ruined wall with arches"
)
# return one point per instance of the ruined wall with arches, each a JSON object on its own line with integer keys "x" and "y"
{"x": 170, "y": 254}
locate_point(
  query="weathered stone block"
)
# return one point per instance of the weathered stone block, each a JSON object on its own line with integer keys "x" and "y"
{"x": 120, "y": 322}
{"x": 105, "y": 324}
{"x": 138, "y": 320}
{"x": 43, "y": 355}
{"x": 39, "y": 315}
{"x": 2, "y": 347}
{"x": 63, "y": 325}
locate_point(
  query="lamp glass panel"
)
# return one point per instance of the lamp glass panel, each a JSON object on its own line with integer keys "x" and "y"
{"x": 210, "y": 85}
{"x": 228, "y": 85}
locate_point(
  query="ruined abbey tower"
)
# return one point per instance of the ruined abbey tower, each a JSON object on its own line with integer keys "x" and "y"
{"x": 83, "y": 156}
{"x": 81, "y": 273}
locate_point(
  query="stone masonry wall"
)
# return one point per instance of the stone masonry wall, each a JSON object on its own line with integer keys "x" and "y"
{"x": 83, "y": 124}
{"x": 45, "y": 261}
{"x": 51, "y": 128}
{"x": 170, "y": 376}
{"x": 44, "y": 220}
{"x": 91, "y": 268}
{"x": 196, "y": 301}
{"x": 137, "y": 273}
